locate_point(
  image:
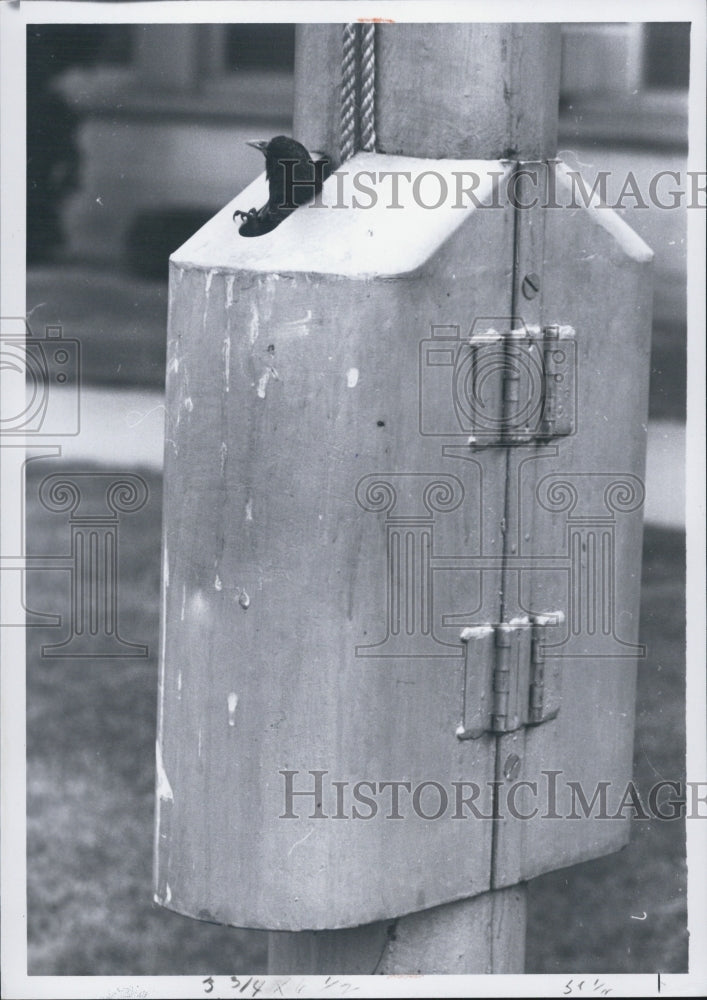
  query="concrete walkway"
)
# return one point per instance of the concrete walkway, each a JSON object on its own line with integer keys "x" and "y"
{"x": 125, "y": 428}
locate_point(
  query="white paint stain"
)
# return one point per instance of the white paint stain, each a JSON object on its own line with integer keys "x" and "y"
{"x": 173, "y": 366}
{"x": 300, "y": 324}
{"x": 198, "y": 604}
{"x": 179, "y": 681}
{"x": 254, "y": 329}
{"x": 184, "y": 600}
{"x": 521, "y": 621}
{"x": 243, "y": 598}
{"x": 475, "y": 632}
{"x": 164, "y": 789}
{"x": 163, "y": 625}
{"x": 268, "y": 374}
{"x": 300, "y": 841}
{"x": 557, "y": 619}
{"x": 262, "y": 383}
{"x": 304, "y": 319}
{"x": 229, "y": 290}
{"x": 217, "y": 583}
{"x": 167, "y": 894}
{"x": 188, "y": 405}
{"x": 227, "y": 362}
{"x": 209, "y": 279}
{"x": 352, "y": 378}
{"x": 484, "y": 335}
{"x": 224, "y": 456}
{"x": 249, "y": 511}
{"x": 232, "y": 706}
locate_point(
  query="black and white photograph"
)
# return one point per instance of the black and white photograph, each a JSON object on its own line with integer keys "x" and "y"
{"x": 352, "y": 360}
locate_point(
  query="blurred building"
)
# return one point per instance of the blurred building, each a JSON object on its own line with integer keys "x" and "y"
{"x": 623, "y": 108}
{"x": 162, "y": 112}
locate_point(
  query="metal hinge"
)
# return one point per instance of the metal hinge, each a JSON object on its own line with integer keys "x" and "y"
{"x": 520, "y": 689}
{"x": 517, "y": 387}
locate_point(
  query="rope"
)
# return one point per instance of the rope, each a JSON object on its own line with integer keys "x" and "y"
{"x": 348, "y": 93}
{"x": 358, "y": 90}
{"x": 368, "y": 88}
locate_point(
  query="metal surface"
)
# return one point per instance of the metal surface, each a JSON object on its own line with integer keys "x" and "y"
{"x": 576, "y": 546}
{"x": 329, "y": 534}
{"x": 295, "y": 473}
{"x": 520, "y": 689}
{"x": 513, "y": 386}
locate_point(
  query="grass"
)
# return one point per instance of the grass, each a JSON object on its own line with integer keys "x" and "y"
{"x": 91, "y": 730}
{"x": 91, "y": 734}
{"x": 589, "y": 910}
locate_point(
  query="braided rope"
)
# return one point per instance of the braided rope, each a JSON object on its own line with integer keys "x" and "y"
{"x": 348, "y": 92}
{"x": 368, "y": 88}
{"x": 358, "y": 76}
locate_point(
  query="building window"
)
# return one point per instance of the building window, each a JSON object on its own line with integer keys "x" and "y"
{"x": 667, "y": 56}
{"x": 260, "y": 46}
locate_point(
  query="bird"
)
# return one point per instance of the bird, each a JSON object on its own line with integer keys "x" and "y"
{"x": 294, "y": 177}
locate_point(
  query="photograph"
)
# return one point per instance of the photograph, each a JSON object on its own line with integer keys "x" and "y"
{"x": 352, "y": 465}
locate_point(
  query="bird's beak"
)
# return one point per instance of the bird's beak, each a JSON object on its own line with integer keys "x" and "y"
{"x": 260, "y": 144}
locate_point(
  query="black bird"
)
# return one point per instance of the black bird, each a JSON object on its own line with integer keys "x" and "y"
{"x": 294, "y": 178}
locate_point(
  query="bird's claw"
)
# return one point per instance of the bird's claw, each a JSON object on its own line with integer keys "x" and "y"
{"x": 246, "y": 216}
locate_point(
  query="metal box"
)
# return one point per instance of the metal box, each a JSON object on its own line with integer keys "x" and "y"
{"x": 402, "y": 535}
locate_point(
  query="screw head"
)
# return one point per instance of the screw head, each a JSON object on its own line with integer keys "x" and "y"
{"x": 530, "y": 285}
